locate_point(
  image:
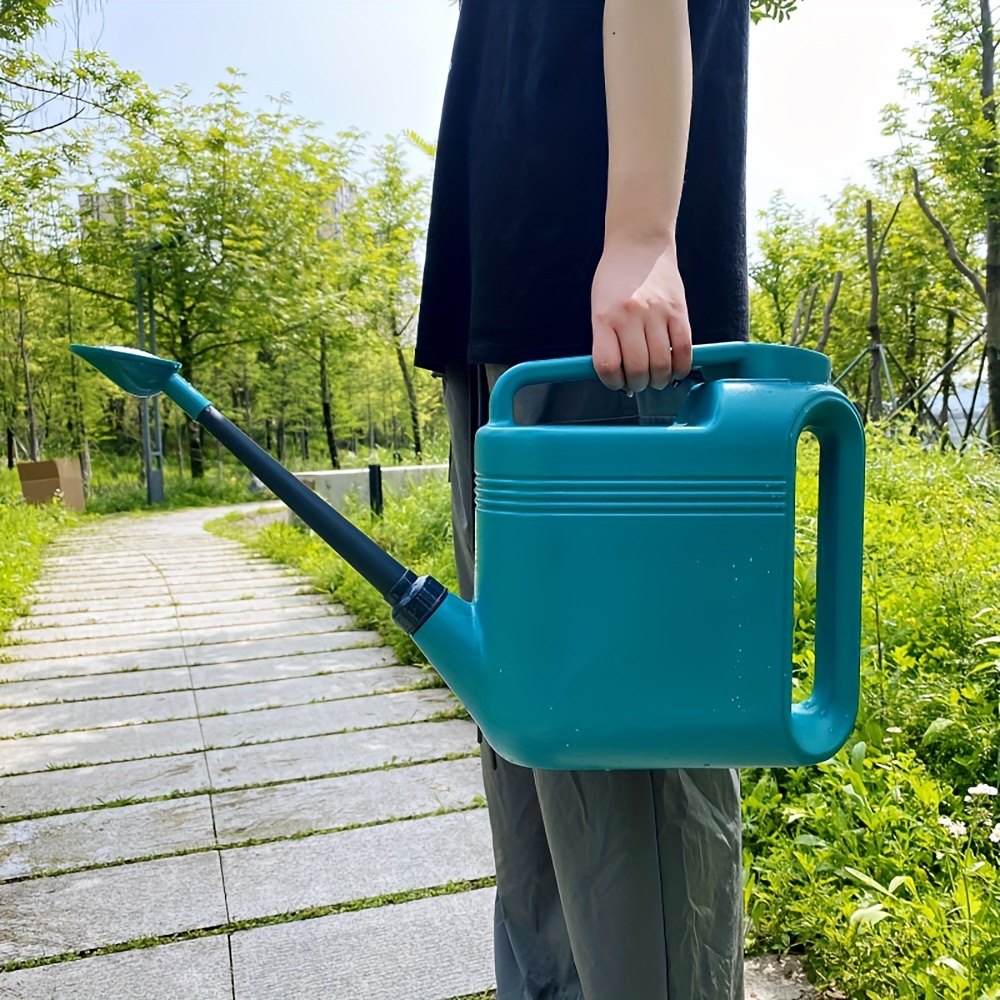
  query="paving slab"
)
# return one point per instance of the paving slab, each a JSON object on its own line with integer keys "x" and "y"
{"x": 331, "y": 803}
{"x": 771, "y": 977}
{"x": 18, "y": 694}
{"x": 313, "y": 757}
{"x": 45, "y": 609}
{"x": 163, "y": 634}
{"x": 329, "y": 717}
{"x": 151, "y": 659}
{"x": 82, "y": 666}
{"x": 190, "y": 970}
{"x": 269, "y": 668}
{"x": 155, "y": 574}
{"x": 104, "y": 836}
{"x": 207, "y": 609}
{"x": 86, "y": 787}
{"x": 286, "y": 627}
{"x": 131, "y": 622}
{"x": 74, "y": 578}
{"x": 305, "y": 690}
{"x": 162, "y": 637}
{"x": 92, "y": 559}
{"x": 357, "y": 864}
{"x": 106, "y": 712}
{"x": 429, "y": 949}
{"x": 99, "y": 746}
{"x": 138, "y": 599}
{"x": 94, "y": 909}
{"x": 291, "y": 645}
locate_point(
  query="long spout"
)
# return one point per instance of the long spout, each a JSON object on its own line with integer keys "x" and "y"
{"x": 413, "y": 600}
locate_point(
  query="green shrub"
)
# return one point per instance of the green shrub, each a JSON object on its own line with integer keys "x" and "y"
{"x": 825, "y": 846}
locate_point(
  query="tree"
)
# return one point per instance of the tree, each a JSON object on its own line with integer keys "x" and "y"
{"x": 387, "y": 226}
{"x": 222, "y": 214}
{"x": 38, "y": 95}
{"x": 953, "y": 148}
{"x": 778, "y": 10}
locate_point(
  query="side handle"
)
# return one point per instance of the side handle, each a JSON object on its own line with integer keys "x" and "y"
{"x": 822, "y": 724}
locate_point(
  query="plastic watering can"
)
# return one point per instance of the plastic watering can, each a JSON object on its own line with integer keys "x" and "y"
{"x": 634, "y": 589}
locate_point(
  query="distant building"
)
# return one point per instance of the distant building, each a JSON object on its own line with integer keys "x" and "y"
{"x": 333, "y": 208}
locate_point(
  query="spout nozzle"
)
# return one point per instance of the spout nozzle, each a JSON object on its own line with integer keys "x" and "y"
{"x": 137, "y": 372}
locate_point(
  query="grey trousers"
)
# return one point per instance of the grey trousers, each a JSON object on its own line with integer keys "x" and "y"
{"x": 611, "y": 885}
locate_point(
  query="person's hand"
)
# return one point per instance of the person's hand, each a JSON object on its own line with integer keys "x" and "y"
{"x": 642, "y": 335}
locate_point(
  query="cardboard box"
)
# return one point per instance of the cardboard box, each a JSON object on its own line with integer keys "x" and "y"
{"x": 41, "y": 480}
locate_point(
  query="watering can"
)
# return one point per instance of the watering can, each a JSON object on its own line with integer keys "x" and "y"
{"x": 634, "y": 584}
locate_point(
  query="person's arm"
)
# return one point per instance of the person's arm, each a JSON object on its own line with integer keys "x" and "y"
{"x": 641, "y": 331}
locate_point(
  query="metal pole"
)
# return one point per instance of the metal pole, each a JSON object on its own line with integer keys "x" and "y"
{"x": 375, "y": 488}
{"x": 864, "y": 354}
{"x": 155, "y": 480}
{"x": 147, "y": 463}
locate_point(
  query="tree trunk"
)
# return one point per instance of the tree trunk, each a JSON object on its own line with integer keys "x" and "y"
{"x": 34, "y": 454}
{"x": 411, "y": 397}
{"x": 327, "y": 396}
{"x": 81, "y": 442}
{"x": 946, "y": 385}
{"x": 911, "y": 333}
{"x": 185, "y": 356}
{"x": 11, "y": 450}
{"x": 179, "y": 436}
{"x": 992, "y": 224}
{"x": 280, "y": 440}
{"x": 831, "y": 303}
{"x": 875, "y": 344}
{"x": 195, "y": 450}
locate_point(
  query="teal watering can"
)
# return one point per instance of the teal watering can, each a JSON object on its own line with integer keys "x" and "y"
{"x": 634, "y": 588}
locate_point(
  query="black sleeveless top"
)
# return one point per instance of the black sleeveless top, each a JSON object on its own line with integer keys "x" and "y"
{"x": 520, "y": 184}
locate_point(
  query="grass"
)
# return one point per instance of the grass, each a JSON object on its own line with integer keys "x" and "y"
{"x": 25, "y": 530}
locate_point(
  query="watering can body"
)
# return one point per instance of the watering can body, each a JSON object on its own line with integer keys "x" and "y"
{"x": 634, "y": 589}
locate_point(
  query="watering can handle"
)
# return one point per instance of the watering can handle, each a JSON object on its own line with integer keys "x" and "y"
{"x": 733, "y": 359}
{"x": 822, "y": 724}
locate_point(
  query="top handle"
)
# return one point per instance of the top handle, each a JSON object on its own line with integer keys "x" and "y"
{"x": 734, "y": 359}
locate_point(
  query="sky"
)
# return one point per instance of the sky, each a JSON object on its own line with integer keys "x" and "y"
{"x": 817, "y": 82}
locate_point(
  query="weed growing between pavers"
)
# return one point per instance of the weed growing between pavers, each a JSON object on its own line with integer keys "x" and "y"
{"x": 312, "y": 913}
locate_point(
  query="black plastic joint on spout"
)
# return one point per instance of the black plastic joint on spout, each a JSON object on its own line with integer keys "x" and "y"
{"x": 414, "y": 600}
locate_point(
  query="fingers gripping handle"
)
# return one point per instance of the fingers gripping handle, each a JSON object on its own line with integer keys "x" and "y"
{"x": 823, "y": 724}
{"x": 714, "y": 361}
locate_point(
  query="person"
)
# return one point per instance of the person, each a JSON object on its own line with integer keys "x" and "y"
{"x": 569, "y": 132}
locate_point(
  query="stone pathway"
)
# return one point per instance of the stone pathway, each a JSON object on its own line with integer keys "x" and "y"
{"x": 212, "y": 785}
